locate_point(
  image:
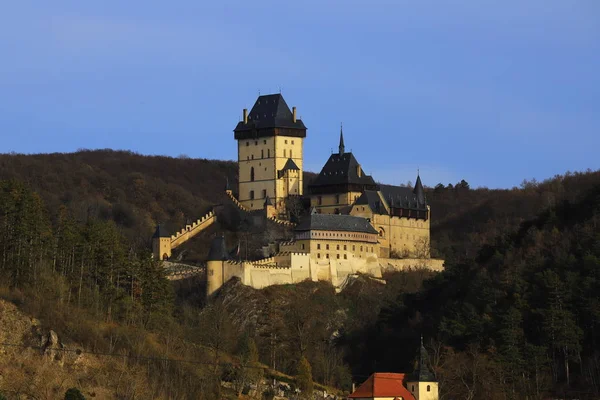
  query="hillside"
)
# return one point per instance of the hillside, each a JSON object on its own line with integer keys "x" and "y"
{"x": 138, "y": 191}
{"x": 520, "y": 316}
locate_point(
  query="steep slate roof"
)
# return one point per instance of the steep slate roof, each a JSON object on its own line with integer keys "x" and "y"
{"x": 383, "y": 384}
{"x": 341, "y": 169}
{"x": 291, "y": 165}
{"x": 400, "y": 196}
{"x": 373, "y": 199}
{"x": 160, "y": 232}
{"x": 218, "y": 251}
{"x": 270, "y": 111}
{"x": 422, "y": 372}
{"x": 335, "y": 222}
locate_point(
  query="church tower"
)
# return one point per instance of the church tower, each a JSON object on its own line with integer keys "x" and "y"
{"x": 270, "y": 153}
{"x": 422, "y": 383}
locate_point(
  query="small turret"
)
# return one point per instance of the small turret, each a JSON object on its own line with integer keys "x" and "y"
{"x": 342, "y": 148}
{"x": 422, "y": 383}
{"x": 419, "y": 192}
{"x": 161, "y": 244}
{"x": 215, "y": 265}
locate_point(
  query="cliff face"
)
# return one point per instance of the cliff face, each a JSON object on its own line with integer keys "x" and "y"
{"x": 37, "y": 363}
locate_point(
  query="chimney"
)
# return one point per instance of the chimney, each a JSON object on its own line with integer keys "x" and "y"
{"x": 245, "y": 115}
{"x": 294, "y": 114}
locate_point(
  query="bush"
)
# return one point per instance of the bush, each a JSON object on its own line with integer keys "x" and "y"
{"x": 74, "y": 394}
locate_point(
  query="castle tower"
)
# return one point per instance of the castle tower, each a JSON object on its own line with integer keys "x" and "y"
{"x": 215, "y": 264}
{"x": 161, "y": 244}
{"x": 422, "y": 383}
{"x": 270, "y": 153}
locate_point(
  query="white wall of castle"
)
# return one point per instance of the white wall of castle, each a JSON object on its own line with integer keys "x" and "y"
{"x": 265, "y": 156}
{"x": 290, "y": 268}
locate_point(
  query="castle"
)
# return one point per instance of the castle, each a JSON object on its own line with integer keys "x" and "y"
{"x": 350, "y": 224}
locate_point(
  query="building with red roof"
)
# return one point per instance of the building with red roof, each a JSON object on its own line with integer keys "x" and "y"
{"x": 420, "y": 385}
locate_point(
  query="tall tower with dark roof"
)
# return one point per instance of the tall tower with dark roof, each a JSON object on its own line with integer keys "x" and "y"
{"x": 270, "y": 153}
{"x": 422, "y": 383}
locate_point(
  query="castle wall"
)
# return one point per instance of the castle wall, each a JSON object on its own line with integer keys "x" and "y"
{"x": 267, "y": 155}
{"x": 192, "y": 230}
{"x": 402, "y": 264}
{"x": 408, "y": 237}
{"x": 291, "y": 268}
{"x": 332, "y": 203}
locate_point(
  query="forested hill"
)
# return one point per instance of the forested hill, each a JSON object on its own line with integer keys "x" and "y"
{"x": 520, "y": 317}
{"x": 138, "y": 191}
{"x": 135, "y": 191}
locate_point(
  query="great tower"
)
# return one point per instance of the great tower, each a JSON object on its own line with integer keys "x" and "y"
{"x": 270, "y": 153}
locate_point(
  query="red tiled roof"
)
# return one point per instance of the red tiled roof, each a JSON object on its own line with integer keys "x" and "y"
{"x": 383, "y": 384}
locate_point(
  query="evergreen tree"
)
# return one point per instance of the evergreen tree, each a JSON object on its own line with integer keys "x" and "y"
{"x": 304, "y": 378}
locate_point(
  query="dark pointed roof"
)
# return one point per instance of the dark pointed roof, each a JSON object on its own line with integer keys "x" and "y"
{"x": 419, "y": 192}
{"x": 373, "y": 199}
{"x": 270, "y": 111}
{"x": 268, "y": 201}
{"x": 341, "y": 169}
{"x": 342, "y": 148}
{"x": 403, "y": 197}
{"x": 290, "y": 165}
{"x": 422, "y": 372}
{"x": 335, "y": 222}
{"x": 218, "y": 251}
{"x": 160, "y": 232}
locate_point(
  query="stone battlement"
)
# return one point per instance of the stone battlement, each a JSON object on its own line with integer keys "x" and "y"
{"x": 192, "y": 230}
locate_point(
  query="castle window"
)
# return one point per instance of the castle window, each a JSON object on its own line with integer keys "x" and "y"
{"x": 256, "y": 142}
{"x": 262, "y": 154}
{"x": 302, "y": 246}
{"x": 247, "y": 143}
{"x": 268, "y": 153}
{"x": 345, "y": 256}
{"x": 318, "y": 246}
{"x": 429, "y": 388}
{"x": 292, "y": 142}
{"x": 252, "y": 195}
{"x": 264, "y": 142}
{"x": 338, "y": 257}
{"x": 337, "y": 199}
{"x": 413, "y": 388}
{"x": 353, "y": 248}
{"x": 327, "y": 247}
{"x": 291, "y": 156}
{"x": 318, "y": 255}
{"x": 361, "y": 248}
{"x": 338, "y": 247}
{"x": 319, "y": 200}
{"x": 286, "y": 142}
{"x": 252, "y": 174}
{"x": 252, "y": 156}
{"x": 327, "y": 255}
{"x": 284, "y": 153}
{"x": 264, "y": 193}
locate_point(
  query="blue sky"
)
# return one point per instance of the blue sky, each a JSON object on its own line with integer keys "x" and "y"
{"x": 488, "y": 91}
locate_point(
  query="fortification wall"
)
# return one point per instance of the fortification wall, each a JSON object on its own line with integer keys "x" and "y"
{"x": 402, "y": 264}
{"x": 192, "y": 230}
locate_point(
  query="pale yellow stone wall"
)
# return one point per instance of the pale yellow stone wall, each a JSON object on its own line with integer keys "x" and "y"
{"x": 329, "y": 203}
{"x": 420, "y": 392}
{"x": 295, "y": 267}
{"x": 405, "y": 236}
{"x": 161, "y": 247}
{"x": 267, "y": 156}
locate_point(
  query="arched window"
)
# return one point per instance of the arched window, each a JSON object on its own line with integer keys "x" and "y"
{"x": 381, "y": 232}
{"x": 252, "y": 174}
{"x": 428, "y": 388}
